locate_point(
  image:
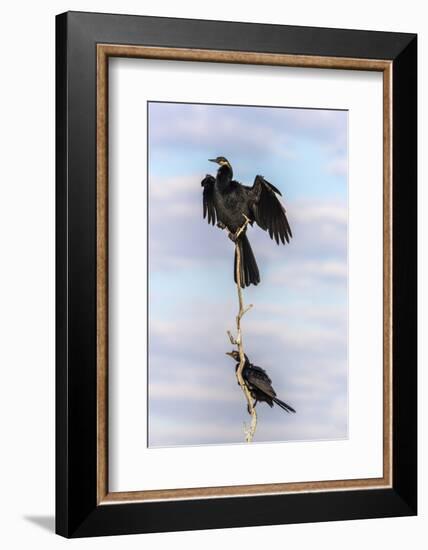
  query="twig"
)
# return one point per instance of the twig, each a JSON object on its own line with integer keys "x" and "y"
{"x": 250, "y": 430}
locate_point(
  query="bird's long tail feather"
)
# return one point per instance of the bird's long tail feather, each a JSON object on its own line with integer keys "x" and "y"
{"x": 283, "y": 405}
{"x": 249, "y": 269}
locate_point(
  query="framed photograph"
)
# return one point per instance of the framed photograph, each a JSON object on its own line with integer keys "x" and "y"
{"x": 236, "y": 274}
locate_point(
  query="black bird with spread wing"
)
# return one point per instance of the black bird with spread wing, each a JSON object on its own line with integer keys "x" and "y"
{"x": 259, "y": 383}
{"x": 229, "y": 203}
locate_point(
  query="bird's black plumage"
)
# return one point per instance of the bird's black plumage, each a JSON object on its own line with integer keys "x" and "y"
{"x": 259, "y": 383}
{"x": 229, "y": 203}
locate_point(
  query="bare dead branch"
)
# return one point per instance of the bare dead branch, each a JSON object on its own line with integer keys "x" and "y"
{"x": 231, "y": 338}
{"x": 250, "y": 430}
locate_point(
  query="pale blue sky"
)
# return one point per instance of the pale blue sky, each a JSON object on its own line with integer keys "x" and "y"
{"x": 298, "y": 327}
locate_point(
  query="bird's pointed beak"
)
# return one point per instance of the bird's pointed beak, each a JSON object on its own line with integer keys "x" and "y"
{"x": 229, "y": 353}
{"x": 213, "y": 160}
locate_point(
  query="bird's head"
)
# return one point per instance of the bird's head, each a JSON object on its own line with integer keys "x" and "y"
{"x": 235, "y": 355}
{"x": 221, "y": 161}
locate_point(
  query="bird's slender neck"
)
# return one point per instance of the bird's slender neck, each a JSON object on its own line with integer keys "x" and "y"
{"x": 224, "y": 176}
{"x": 246, "y": 363}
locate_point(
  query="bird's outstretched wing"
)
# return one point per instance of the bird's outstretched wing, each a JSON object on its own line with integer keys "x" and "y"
{"x": 268, "y": 211}
{"x": 208, "y": 198}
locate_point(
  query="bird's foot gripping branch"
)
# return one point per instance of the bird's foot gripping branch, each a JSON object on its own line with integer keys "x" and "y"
{"x": 235, "y": 236}
{"x": 238, "y": 341}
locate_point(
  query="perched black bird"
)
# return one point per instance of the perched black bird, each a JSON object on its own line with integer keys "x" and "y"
{"x": 229, "y": 203}
{"x": 259, "y": 383}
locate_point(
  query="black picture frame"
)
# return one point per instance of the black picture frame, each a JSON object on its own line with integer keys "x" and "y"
{"x": 77, "y": 511}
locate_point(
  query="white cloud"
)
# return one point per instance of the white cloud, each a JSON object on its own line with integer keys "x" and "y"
{"x": 192, "y": 390}
{"x": 260, "y": 130}
{"x": 308, "y": 273}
